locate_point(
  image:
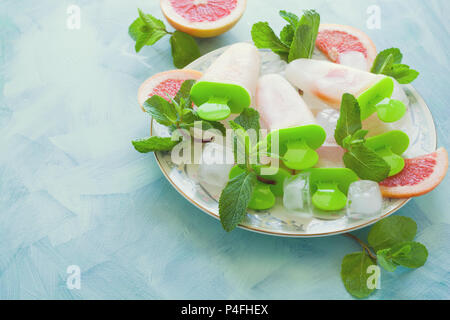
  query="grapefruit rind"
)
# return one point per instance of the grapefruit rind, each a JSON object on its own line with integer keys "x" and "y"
{"x": 206, "y": 29}
{"x": 423, "y": 187}
{"x": 364, "y": 39}
{"x": 148, "y": 85}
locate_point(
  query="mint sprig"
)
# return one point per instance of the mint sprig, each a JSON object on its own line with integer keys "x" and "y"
{"x": 366, "y": 163}
{"x": 297, "y": 38}
{"x": 154, "y": 144}
{"x": 237, "y": 193}
{"x": 391, "y": 239}
{"x": 265, "y": 38}
{"x": 305, "y": 36}
{"x": 146, "y": 30}
{"x": 235, "y": 198}
{"x": 388, "y": 62}
{"x": 174, "y": 114}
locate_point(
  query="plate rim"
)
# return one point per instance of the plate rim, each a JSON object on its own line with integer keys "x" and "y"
{"x": 296, "y": 235}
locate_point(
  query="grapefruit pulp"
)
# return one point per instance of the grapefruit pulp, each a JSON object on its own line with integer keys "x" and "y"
{"x": 168, "y": 82}
{"x": 346, "y": 45}
{"x": 419, "y": 176}
{"x": 203, "y": 18}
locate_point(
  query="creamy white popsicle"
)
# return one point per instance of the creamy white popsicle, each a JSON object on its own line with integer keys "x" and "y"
{"x": 229, "y": 84}
{"x": 328, "y": 81}
{"x": 280, "y": 105}
{"x": 239, "y": 64}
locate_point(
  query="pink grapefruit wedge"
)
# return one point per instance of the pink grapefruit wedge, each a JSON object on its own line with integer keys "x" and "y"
{"x": 203, "y": 18}
{"x": 420, "y": 176}
{"x": 168, "y": 82}
{"x": 346, "y": 45}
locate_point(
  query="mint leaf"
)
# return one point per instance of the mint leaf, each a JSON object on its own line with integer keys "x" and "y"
{"x": 135, "y": 29}
{"x": 290, "y": 17}
{"x": 402, "y": 73}
{"x": 248, "y": 119}
{"x": 234, "y": 199}
{"x": 161, "y": 110}
{"x": 188, "y": 116}
{"x": 409, "y": 254}
{"x": 287, "y": 35}
{"x": 185, "y": 93}
{"x": 264, "y": 38}
{"x": 241, "y": 143}
{"x": 391, "y": 231}
{"x": 388, "y": 62}
{"x": 153, "y": 144}
{"x": 146, "y": 30}
{"x": 151, "y": 21}
{"x": 385, "y": 260}
{"x": 305, "y": 36}
{"x": 148, "y": 38}
{"x": 354, "y": 274}
{"x": 380, "y": 62}
{"x": 207, "y": 125}
{"x": 349, "y": 118}
{"x": 357, "y": 138}
{"x": 184, "y": 49}
{"x": 366, "y": 163}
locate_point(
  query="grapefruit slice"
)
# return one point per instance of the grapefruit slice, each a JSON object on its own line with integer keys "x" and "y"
{"x": 203, "y": 18}
{"x": 346, "y": 45}
{"x": 168, "y": 82}
{"x": 420, "y": 176}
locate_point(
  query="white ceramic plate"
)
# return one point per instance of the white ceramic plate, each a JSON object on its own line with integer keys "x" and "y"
{"x": 417, "y": 123}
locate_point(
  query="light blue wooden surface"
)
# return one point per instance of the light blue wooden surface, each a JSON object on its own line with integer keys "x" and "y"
{"x": 74, "y": 192}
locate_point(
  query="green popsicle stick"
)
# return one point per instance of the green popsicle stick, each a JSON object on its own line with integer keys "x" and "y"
{"x": 216, "y": 100}
{"x": 278, "y": 178}
{"x": 374, "y": 95}
{"x": 396, "y": 162}
{"x": 390, "y": 146}
{"x": 299, "y": 155}
{"x": 263, "y": 196}
{"x": 328, "y": 197}
{"x": 329, "y": 187}
{"x": 392, "y": 111}
{"x": 297, "y": 145}
{"x": 214, "y": 110}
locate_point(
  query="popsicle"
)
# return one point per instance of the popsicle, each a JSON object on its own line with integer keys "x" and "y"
{"x": 328, "y": 81}
{"x": 292, "y": 125}
{"x": 229, "y": 84}
{"x": 280, "y": 105}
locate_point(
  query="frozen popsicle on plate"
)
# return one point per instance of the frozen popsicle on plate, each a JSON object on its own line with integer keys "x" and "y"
{"x": 328, "y": 81}
{"x": 229, "y": 84}
{"x": 294, "y": 133}
{"x": 280, "y": 105}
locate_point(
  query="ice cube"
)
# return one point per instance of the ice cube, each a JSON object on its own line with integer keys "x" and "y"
{"x": 297, "y": 196}
{"x": 327, "y": 119}
{"x": 215, "y": 165}
{"x": 364, "y": 199}
{"x": 354, "y": 59}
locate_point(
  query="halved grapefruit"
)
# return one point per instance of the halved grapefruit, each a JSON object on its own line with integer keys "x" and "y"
{"x": 420, "y": 176}
{"x": 203, "y": 18}
{"x": 346, "y": 45}
{"x": 168, "y": 82}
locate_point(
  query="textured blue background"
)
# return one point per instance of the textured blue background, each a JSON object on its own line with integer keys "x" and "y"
{"x": 74, "y": 192}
